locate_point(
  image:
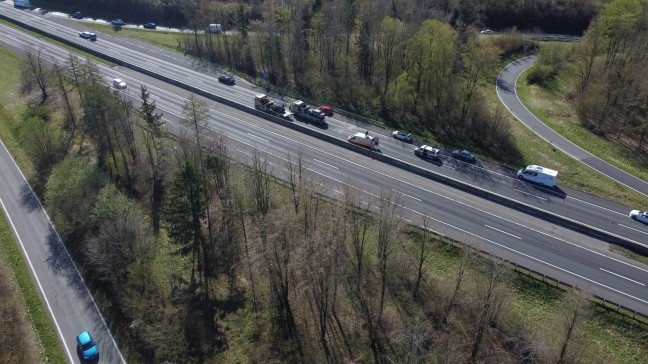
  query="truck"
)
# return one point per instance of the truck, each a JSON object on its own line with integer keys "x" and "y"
{"x": 262, "y": 102}
{"x": 214, "y": 29}
{"x": 427, "y": 152}
{"x": 538, "y": 174}
{"x": 364, "y": 140}
{"x": 306, "y": 112}
{"x": 22, "y": 4}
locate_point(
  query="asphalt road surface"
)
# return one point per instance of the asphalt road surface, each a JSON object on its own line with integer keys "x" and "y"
{"x": 66, "y": 296}
{"x": 524, "y": 239}
{"x": 507, "y": 93}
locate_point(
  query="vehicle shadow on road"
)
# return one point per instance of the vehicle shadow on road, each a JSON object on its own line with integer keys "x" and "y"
{"x": 473, "y": 171}
{"x": 501, "y": 84}
{"x": 535, "y": 189}
{"x": 28, "y": 198}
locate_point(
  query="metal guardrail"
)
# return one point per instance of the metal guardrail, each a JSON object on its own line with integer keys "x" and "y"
{"x": 548, "y": 216}
{"x": 541, "y": 277}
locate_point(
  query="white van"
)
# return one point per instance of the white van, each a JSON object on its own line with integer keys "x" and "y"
{"x": 538, "y": 174}
{"x": 214, "y": 29}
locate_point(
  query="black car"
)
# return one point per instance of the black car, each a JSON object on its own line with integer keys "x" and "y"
{"x": 463, "y": 155}
{"x": 77, "y": 15}
{"x": 150, "y": 26}
{"x": 228, "y": 80}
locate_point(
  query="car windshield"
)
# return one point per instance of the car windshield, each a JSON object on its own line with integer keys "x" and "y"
{"x": 88, "y": 345}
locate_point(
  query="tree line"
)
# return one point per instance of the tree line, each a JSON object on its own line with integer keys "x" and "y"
{"x": 369, "y": 58}
{"x": 196, "y": 257}
{"x": 610, "y": 87}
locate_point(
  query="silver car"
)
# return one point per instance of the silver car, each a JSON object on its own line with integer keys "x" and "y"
{"x": 118, "y": 83}
{"x": 639, "y": 216}
{"x": 401, "y": 135}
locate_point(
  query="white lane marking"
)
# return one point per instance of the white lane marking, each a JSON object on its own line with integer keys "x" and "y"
{"x": 340, "y": 192}
{"x": 530, "y": 194}
{"x": 410, "y": 196}
{"x": 620, "y": 276}
{"x": 554, "y": 133}
{"x": 258, "y": 137}
{"x": 51, "y": 225}
{"x": 631, "y": 228}
{"x": 330, "y": 165}
{"x": 490, "y": 241}
{"x": 503, "y": 232}
{"x": 408, "y": 220}
{"x": 597, "y": 206}
{"x": 40, "y": 286}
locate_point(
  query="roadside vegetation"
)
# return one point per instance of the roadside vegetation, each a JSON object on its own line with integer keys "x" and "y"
{"x": 26, "y": 332}
{"x": 197, "y": 258}
{"x": 594, "y": 92}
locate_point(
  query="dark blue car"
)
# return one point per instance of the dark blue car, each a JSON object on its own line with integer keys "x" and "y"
{"x": 150, "y": 26}
{"x": 117, "y": 22}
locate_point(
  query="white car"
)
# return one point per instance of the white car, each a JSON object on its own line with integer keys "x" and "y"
{"x": 639, "y": 216}
{"x": 486, "y": 31}
{"x": 401, "y": 135}
{"x": 118, "y": 83}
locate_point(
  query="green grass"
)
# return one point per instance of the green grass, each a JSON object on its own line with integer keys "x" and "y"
{"x": 55, "y": 42}
{"x": 164, "y": 39}
{"x": 37, "y": 313}
{"x": 10, "y": 105}
{"x": 550, "y": 104}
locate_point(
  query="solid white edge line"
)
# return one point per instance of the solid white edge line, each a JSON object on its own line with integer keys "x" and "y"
{"x": 558, "y": 134}
{"x": 67, "y": 253}
{"x": 33, "y": 273}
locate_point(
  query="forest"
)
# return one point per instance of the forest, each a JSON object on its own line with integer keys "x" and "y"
{"x": 563, "y": 16}
{"x": 610, "y": 87}
{"x": 198, "y": 258}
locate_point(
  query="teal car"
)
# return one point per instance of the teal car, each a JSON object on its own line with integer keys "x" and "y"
{"x": 86, "y": 346}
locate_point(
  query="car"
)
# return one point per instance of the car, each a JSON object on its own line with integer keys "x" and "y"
{"x": 88, "y": 35}
{"x": 150, "y": 26}
{"x": 427, "y": 152}
{"x": 118, "y": 83}
{"x": 486, "y": 31}
{"x": 86, "y": 346}
{"x": 639, "y": 216}
{"x": 463, "y": 155}
{"x": 401, "y": 135}
{"x": 77, "y": 15}
{"x": 326, "y": 109}
{"x": 117, "y": 22}
{"x": 227, "y": 79}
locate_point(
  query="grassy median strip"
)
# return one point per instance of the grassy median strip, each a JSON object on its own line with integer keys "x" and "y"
{"x": 55, "y": 42}
{"x": 10, "y": 106}
{"x": 549, "y": 103}
{"x": 12, "y": 257}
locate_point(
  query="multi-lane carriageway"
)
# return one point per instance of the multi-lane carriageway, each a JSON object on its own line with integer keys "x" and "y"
{"x": 550, "y": 249}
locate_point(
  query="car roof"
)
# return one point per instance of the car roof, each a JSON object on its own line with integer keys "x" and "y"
{"x": 84, "y": 337}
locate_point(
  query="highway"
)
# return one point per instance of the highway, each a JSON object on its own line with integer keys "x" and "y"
{"x": 507, "y": 92}
{"x": 555, "y": 251}
{"x": 588, "y": 210}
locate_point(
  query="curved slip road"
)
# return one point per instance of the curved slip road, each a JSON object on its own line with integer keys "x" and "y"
{"x": 506, "y": 90}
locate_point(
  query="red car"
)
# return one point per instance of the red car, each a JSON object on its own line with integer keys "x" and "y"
{"x": 327, "y": 110}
